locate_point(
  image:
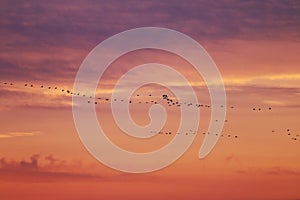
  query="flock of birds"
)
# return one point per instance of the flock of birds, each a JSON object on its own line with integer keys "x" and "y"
{"x": 192, "y": 132}
{"x": 169, "y": 101}
{"x": 97, "y": 100}
{"x": 292, "y": 135}
{"x": 164, "y": 97}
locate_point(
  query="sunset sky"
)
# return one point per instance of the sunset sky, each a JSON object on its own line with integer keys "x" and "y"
{"x": 256, "y": 46}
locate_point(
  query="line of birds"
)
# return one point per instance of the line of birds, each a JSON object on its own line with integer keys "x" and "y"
{"x": 192, "y": 132}
{"x": 259, "y": 109}
{"x": 164, "y": 97}
{"x": 105, "y": 99}
{"x": 97, "y": 100}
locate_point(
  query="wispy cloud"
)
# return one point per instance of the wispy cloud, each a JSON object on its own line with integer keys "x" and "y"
{"x": 20, "y": 134}
{"x": 19, "y": 96}
{"x": 284, "y": 80}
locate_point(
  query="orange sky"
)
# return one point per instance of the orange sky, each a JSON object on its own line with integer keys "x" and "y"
{"x": 255, "y": 46}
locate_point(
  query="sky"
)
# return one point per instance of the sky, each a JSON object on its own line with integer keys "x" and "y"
{"x": 256, "y": 46}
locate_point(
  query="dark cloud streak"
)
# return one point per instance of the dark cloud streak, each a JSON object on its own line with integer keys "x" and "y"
{"x": 34, "y": 171}
{"x": 273, "y": 171}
